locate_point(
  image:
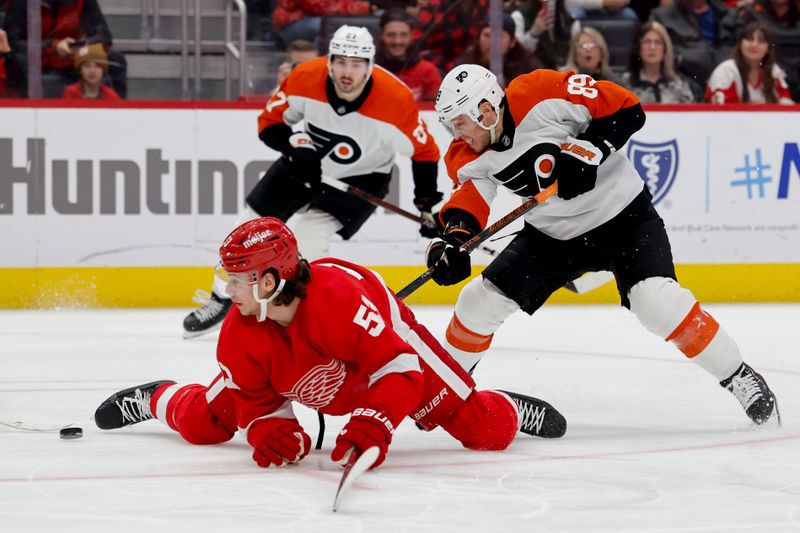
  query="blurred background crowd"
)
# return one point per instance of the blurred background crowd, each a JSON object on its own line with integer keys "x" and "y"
{"x": 666, "y": 51}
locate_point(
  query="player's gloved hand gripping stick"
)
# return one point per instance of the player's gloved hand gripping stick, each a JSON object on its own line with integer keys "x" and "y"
{"x": 490, "y": 230}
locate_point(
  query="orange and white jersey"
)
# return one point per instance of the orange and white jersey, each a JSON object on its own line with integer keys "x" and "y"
{"x": 725, "y": 86}
{"x": 357, "y": 138}
{"x": 546, "y": 107}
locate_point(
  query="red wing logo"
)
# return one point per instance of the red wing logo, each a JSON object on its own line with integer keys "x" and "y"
{"x": 319, "y": 386}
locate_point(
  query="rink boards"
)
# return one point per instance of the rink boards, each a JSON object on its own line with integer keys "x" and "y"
{"x": 126, "y": 206}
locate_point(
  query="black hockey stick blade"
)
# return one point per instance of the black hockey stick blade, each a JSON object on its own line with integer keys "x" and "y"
{"x": 485, "y": 234}
{"x": 356, "y": 465}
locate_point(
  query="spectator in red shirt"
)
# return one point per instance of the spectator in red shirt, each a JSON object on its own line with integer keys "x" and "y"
{"x": 91, "y": 63}
{"x": 302, "y": 19}
{"x": 66, "y": 25}
{"x": 393, "y": 54}
{"x": 445, "y": 28}
{"x": 4, "y": 49}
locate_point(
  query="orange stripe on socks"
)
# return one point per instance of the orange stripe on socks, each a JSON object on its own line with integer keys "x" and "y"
{"x": 695, "y": 332}
{"x": 464, "y": 339}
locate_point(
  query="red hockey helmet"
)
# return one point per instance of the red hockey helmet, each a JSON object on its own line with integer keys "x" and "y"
{"x": 258, "y": 245}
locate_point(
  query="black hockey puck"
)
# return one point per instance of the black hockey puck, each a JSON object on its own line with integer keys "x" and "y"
{"x": 71, "y": 433}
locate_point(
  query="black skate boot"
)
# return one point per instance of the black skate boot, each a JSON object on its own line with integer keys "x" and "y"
{"x": 539, "y": 418}
{"x": 129, "y": 406}
{"x": 753, "y": 393}
{"x": 206, "y": 318}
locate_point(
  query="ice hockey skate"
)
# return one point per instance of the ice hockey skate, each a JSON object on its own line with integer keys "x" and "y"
{"x": 753, "y": 393}
{"x": 206, "y": 318}
{"x": 539, "y": 418}
{"x": 127, "y": 407}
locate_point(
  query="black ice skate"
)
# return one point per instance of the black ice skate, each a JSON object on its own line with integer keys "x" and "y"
{"x": 539, "y": 418}
{"x": 129, "y": 406}
{"x": 753, "y": 393}
{"x": 206, "y": 318}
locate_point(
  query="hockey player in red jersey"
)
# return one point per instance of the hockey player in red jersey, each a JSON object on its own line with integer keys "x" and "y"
{"x": 331, "y": 336}
{"x": 356, "y": 117}
{"x": 552, "y": 126}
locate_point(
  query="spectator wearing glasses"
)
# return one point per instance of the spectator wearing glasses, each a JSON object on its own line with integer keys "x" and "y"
{"x": 703, "y": 33}
{"x": 588, "y": 54}
{"x": 652, "y": 76}
{"x": 751, "y": 76}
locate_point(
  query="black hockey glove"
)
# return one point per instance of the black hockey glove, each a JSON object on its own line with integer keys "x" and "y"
{"x": 431, "y": 226}
{"x": 304, "y": 162}
{"x": 450, "y": 264}
{"x": 576, "y": 165}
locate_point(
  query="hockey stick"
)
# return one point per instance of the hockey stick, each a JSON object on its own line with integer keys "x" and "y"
{"x": 380, "y": 202}
{"x": 35, "y": 429}
{"x": 485, "y": 234}
{"x": 356, "y": 465}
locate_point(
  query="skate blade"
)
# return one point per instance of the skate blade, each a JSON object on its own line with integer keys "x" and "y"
{"x": 194, "y": 334}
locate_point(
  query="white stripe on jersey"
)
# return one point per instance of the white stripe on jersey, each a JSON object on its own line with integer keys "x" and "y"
{"x": 163, "y": 400}
{"x": 284, "y": 411}
{"x": 405, "y": 362}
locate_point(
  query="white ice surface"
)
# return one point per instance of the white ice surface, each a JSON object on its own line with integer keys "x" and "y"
{"x": 653, "y": 445}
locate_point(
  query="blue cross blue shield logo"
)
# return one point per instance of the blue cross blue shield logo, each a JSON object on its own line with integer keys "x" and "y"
{"x": 657, "y": 165}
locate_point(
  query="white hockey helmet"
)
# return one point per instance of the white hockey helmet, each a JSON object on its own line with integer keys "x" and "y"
{"x": 352, "y": 41}
{"x": 462, "y": 89}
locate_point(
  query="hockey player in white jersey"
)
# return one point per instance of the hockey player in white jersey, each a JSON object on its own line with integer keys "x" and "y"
{"x": 356, "y": 117}
{"x": 552, "y": 126}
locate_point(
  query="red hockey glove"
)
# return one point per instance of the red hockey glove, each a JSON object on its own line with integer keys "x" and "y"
{"x": 280, "y": 441}
{"x": 576, "y": 165}
{"x": 366, "y": 428}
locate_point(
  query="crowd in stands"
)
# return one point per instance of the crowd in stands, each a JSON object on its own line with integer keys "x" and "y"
{"x": 684, "y": 51}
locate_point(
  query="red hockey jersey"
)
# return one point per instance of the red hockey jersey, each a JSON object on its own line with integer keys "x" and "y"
{"x": 349, "y": 345}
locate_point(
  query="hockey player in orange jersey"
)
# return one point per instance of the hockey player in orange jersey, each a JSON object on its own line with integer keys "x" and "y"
{"x": 356, "y": 117}
{"x": 331, "y": 336}
{"x": 552, "y": 126}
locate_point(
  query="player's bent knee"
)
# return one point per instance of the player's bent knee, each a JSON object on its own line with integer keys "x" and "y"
{"x": 482, "y": 307}
{"x": 486, "y": 421}
{"x": 660, "y": 304}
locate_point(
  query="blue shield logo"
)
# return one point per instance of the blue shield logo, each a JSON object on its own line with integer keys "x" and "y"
{"x": 657, "y": 165}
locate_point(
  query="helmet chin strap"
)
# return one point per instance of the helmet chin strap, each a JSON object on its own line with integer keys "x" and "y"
{"x": 262, "y": 302}
{"x": 492, "y": 128}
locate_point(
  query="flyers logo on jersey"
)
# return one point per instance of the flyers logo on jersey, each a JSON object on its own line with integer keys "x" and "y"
{"x": 531, "y": 172}
{"x": 318, "y": 387}
{"x": 340, "y": 148}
